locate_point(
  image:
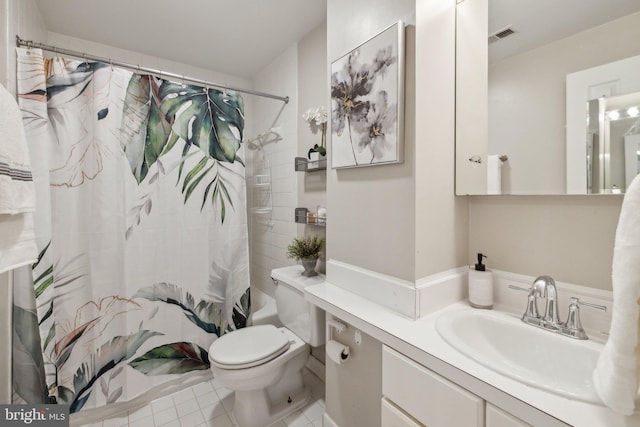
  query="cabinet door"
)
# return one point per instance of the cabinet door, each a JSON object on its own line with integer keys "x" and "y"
{"x": 496, "y": 417}
{"x": 426, "y": 396}
{"x": 392, "y": 416}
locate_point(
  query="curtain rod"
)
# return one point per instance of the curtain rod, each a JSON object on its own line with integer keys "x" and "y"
{"x": 136, "y": 67}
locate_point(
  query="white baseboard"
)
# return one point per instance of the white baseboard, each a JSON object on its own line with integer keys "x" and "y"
{"x": 404, "y": 297}
{"x": 397, "y": 294}
{"x": 328, "y": 422}
{"x": 437, "y": 291}
{"x": 316, "y": 367}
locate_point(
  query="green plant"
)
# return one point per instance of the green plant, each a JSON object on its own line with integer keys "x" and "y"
{"x": 305, "y": 248}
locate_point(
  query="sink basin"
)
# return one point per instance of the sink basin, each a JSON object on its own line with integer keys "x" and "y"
{"x": 541, "y": 359}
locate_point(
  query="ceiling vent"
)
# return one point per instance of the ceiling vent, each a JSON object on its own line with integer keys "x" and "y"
{"x": 505, "y": 32}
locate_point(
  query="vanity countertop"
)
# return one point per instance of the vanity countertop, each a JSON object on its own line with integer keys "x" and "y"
{"x": 419, "y": 340}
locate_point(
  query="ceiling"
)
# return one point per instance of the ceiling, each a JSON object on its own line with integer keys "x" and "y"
{"x": 542, "y": 21}
{"x": 235, "y": 37}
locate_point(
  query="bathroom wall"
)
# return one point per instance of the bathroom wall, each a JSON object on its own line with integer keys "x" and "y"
{"x": 16, "y": 17}
{"x": 144, "y": 60}
{"x": 271, "y": 232}
{"x": 441, "y": 218}
{"x": 300, "y": 73}
{"x": 532, "y": 86}
{"x": 356, "y": 399}
{"x": 403, "y": 220}
{"x": 569, "y": 238}
{"x": 19, "y": 17}
{"x": 371, "y": 209}
{"x": 312, "y": 93}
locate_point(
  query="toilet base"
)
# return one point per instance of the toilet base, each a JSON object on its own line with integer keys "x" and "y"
{"x": 260, "y": 412}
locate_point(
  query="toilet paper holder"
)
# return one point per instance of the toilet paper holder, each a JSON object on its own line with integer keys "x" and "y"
{"x": 338, "y": 326}
{"x": 336, "y": 351}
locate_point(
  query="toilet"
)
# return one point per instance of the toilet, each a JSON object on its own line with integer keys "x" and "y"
{"x": 263, "y": 364}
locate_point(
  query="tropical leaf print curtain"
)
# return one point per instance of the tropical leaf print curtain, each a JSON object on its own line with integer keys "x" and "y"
{"x": 142, "y": 228}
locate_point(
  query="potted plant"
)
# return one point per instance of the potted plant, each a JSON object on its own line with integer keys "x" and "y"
{"x": 317, "y": 118}
{"x": 307, "y": 250}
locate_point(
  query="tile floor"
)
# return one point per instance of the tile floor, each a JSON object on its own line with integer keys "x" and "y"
{"x": 209, "y": 405}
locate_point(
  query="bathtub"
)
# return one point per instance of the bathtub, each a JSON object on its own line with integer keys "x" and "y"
{"x": 263, "y": 309}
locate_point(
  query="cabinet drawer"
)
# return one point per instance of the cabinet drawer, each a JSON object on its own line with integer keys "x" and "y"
{"x": 428, "y": 397}
{"x": 392, "y": 416}
{"x": 496, "y": 417}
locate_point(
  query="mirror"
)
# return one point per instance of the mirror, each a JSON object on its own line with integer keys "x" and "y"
{"x": 527, "y": 75}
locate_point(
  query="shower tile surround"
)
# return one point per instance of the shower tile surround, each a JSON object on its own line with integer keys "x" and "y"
{"x": 210, "y": 405}
{"x": 270, "y": 233}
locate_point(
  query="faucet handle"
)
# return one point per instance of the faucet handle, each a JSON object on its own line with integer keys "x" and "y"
{"x": 574, "y": 325}
{"x": 531, "y": 313}
{"x": 575, "y": 300}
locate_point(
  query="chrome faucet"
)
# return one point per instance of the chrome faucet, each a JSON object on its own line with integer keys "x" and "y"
{"x": 531, "y": 314}
{"x": 542, "y": 287}
{"x": 551, "y": 318}
{"x": 545, "y": 287}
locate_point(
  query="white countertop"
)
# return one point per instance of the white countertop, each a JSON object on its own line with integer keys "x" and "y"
{"x": 419, "y": 340}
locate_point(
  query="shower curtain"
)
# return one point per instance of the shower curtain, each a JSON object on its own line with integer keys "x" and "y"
{"x": 141, "y": 226}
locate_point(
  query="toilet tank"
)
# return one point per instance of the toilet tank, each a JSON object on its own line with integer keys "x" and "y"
{"x": 297, "y": 314}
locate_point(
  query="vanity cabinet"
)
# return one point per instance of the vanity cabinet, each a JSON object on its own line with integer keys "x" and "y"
{"x": 414, "y": 396}
{"x": 426, "y": 396}
{"x": 392, "y": 416}
{"x": 496, "y": 417}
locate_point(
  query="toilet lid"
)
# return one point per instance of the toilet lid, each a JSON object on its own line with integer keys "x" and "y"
{"x": 248, "y": 347}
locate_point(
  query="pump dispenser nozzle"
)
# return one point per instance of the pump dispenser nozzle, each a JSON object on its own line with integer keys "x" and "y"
{"x": 480, "y": 266}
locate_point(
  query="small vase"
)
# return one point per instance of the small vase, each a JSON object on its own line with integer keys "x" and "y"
{"x": 309, "y": 267}
{"x": 314, "y": 158}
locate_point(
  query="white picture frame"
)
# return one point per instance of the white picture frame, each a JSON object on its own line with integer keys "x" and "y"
{"x": 367, "y": 102}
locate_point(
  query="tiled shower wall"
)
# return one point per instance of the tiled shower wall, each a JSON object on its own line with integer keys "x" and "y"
{"x": 271, "y": 232}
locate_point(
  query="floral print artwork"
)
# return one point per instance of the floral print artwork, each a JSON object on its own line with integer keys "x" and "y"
{"x": 366, "y": 101}
{"x": 141, "y": 226}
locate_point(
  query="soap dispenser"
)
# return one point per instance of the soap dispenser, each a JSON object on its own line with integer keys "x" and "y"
{"x": 480, "y": 285}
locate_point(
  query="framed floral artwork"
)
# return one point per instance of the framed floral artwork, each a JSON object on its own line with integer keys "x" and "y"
{"x": 367, "y": 102}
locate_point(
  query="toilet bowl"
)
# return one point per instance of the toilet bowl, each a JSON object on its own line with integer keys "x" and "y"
{"x": 263, "y": 364}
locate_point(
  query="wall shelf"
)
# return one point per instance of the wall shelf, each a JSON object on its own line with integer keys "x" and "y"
{"x": 302, "y": 217}
{"x": 304, "y": 165}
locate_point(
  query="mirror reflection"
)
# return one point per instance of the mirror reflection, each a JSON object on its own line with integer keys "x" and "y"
{"x": 613, "y": 142}
{"x": 549, "y": 95}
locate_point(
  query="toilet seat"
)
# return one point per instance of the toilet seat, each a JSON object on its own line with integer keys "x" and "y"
{"x": 248, "y": 347}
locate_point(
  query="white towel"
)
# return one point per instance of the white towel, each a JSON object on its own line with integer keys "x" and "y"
{"x": 494, "y": 174}
{"x": 617, "y": 374}
{"x": 17, "y": 192}
{"x": 17, "y": 241}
